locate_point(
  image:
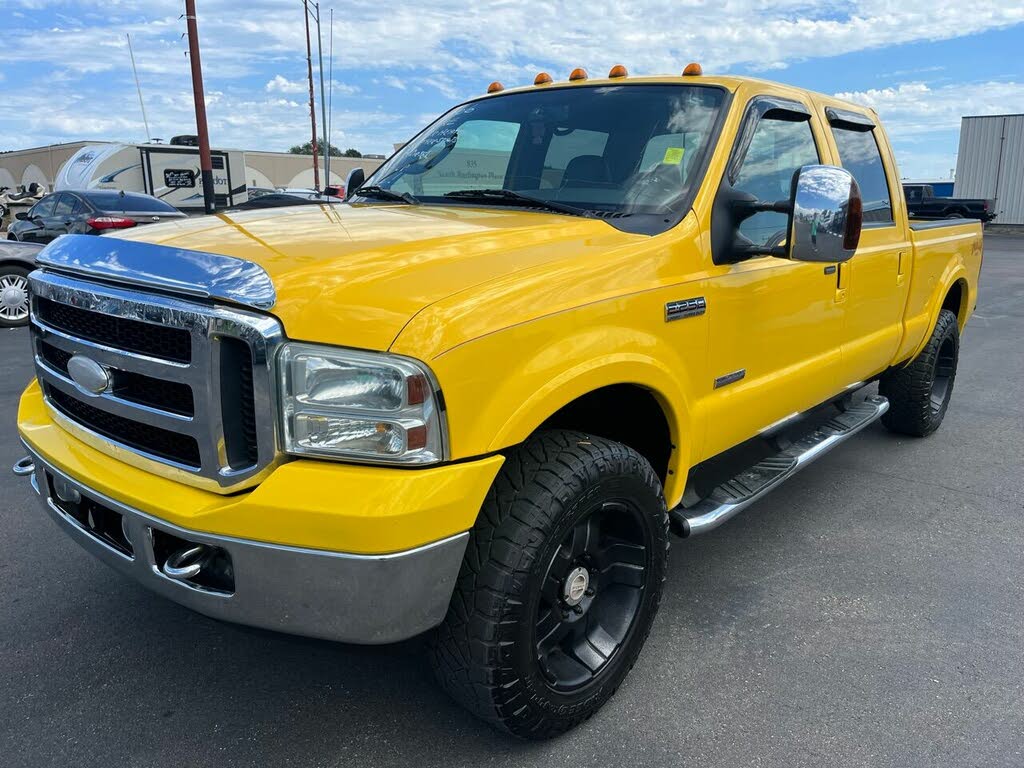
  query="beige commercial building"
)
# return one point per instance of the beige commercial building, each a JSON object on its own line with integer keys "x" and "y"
{"x": 262, "y": 169}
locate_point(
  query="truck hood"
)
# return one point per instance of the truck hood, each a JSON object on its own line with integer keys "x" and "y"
{"x": 354, "y": 275}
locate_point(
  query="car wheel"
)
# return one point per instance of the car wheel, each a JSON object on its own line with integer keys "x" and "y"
{"x": 14, "y": 295}
{"x": 560, "y": 584}
{"x": 919, "y": 393}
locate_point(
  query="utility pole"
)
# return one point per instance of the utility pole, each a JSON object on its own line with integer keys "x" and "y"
{"x": 205, "y": 161}
{"x": 323, "y": 99}
{"x": 312, "y": 103}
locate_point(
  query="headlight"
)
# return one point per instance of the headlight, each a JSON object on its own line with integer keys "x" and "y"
{"x": 362, "y": 406}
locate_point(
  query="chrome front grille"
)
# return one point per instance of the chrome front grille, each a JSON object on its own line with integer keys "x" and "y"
{"x": 190, "y": 385}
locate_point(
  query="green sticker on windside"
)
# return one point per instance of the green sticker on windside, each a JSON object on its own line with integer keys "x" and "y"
{"x": 673, "y": 156}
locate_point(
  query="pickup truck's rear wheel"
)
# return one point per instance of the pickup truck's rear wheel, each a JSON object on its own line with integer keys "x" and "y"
{"x": 919, "y": 392}
{"x": 561, "y": 582}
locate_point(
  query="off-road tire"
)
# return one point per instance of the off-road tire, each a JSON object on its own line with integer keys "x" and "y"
{"x": 484, "y": 652}
{"x": 912, "y": 409}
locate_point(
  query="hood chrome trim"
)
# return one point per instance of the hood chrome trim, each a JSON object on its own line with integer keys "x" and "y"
{"x": 165, "y": 268}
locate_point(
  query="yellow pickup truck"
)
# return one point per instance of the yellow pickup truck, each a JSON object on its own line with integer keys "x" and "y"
{"x": 476, "y": 398}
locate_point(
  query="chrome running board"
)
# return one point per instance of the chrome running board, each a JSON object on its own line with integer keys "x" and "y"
{"x": 751, "y": 484}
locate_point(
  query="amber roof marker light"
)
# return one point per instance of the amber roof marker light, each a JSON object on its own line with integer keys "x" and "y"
{"x": 542, "y": 78}
{"x": 577, "y": 74}
{"x": 495, "y": 87}
{"x": 693, "y": 69}
{"x": 619, "y": 70}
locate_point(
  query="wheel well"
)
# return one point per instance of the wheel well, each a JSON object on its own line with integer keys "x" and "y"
{"x": 955, "y": 298}
{"x": 626, "y": 413}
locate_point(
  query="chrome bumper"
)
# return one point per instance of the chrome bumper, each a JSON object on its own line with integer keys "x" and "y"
{"x": 333, "y": 595}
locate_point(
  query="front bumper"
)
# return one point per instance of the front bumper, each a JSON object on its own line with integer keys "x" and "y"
{"x": 354, "y": 598}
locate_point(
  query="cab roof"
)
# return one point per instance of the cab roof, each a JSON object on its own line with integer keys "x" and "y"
{"x": 731, "y": 83}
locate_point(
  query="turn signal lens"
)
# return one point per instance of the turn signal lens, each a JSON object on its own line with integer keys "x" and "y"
{"x": 578, "y": 74}
{"x": 854, "y": 220}
{"x": 542, "y": 78}
{"x": 495, "y": 87}
{"x": 693, "y": 69}
{"x": 618, "y": 71}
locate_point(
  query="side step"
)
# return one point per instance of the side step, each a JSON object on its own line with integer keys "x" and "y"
{"x": 751, "y": 484}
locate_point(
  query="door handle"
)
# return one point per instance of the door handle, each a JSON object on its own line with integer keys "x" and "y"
{"x": 830, "y": 269}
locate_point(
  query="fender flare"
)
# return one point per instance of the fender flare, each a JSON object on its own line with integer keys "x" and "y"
{"x": 617, "y": 368}
{"x": 955, "y": 272}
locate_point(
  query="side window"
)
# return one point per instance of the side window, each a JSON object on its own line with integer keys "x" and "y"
{"x": 913, "y": 193}
{"x": 858, "y": 152}
{"x": 778, "y": 149}
{"x": 479, "y": 160}
{"x": 576, "y": 159}
{"x": 65, "y": 206}
{"x": 44, "y": 207}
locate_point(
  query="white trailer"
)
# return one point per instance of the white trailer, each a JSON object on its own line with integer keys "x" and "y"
{"x": 169, "y": 172}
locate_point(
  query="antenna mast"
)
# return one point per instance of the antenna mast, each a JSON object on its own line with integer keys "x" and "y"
{"x": 138, "y": 88}
{"x": 312, "y": 104}
{"x": 323, "y": 101}
{"x": 330, "y": 83}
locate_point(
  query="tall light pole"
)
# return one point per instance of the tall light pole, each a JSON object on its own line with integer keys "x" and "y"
{"x": 312, "y": 104}
{"x": 205, "y": 161}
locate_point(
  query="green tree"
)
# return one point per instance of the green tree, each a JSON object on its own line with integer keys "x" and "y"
{"x": 353, "y": 152}
{"x": 307, "y": 149}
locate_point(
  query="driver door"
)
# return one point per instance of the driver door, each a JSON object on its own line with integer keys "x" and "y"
{"x": 775, "y": 325}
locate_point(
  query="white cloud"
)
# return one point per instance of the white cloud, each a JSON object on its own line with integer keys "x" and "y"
{"x": 254, "y": 56}
{"x": 283, "y": 85}
{"x": 915, "y": 108}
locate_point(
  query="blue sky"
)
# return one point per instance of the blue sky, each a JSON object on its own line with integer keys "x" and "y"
{"x": 65, "y": 74}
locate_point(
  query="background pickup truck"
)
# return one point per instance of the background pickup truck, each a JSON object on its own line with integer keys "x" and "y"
{"x": 923, "y": 204}
{"x": 476, "y": 398}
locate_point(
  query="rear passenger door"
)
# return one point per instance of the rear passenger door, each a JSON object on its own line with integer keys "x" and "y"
{"x": 875, "y": 282}
{"x": 63, "y": 218}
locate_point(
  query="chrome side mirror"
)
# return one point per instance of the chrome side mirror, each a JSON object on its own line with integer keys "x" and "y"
{"x": 355, "y": 180}
{"x": 827, "y": 214}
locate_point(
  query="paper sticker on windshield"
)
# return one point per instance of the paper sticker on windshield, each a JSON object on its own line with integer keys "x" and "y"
{"x": 673, "y": 156}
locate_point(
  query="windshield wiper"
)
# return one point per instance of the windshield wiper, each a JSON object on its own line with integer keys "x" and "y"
{"x": 508, "y": 196}
{"x": 386, "y": 194}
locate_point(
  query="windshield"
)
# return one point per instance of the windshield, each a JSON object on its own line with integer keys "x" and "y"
{"x": 609, "y": 151}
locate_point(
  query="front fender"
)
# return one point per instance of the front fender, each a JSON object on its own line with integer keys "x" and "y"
{"x": 500, "y": 388}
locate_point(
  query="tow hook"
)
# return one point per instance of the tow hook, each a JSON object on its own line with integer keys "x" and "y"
{"x": 24, "y": 466}
{"x": 186, "y": 563}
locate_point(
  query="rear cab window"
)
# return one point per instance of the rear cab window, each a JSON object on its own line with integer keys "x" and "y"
{"x": 859, "y": 153}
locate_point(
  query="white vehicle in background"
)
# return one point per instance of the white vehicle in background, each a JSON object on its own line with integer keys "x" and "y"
{"x": 166, "y": 171}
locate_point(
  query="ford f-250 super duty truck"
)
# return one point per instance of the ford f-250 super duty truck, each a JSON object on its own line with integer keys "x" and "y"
{"x": 562, "y": 321}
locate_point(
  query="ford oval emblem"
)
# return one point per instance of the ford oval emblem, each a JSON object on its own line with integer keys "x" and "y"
{"x": 90, "y": 376}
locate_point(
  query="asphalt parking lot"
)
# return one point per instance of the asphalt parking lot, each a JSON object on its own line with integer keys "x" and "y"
{"x": 870, "y": 612}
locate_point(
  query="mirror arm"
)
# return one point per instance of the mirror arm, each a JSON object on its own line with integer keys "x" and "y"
{"x": 744, "y": 209}
{"x": 744, "y": 252}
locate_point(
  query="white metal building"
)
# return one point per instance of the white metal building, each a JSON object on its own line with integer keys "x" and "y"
{"x": 991, "y": 163}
